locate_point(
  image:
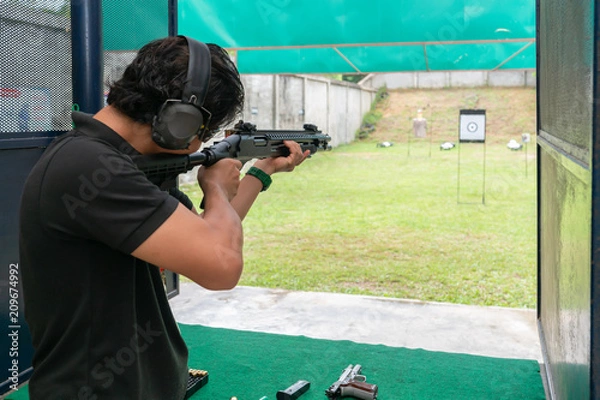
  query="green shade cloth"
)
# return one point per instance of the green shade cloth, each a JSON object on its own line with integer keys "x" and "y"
{"x": 332, "y": 36}
{"x": 250, "y": 365}
{"x": 487, "y": 56}
{"x": 129, "y": 24}
{"x": 237, "y": 23}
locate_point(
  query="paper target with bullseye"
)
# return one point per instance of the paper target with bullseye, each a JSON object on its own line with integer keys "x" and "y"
{"x": 472, "y": 126}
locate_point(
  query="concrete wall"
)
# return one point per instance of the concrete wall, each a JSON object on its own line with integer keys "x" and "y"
{"x": 454, "y": 79}
{"x": 289, "y": 101}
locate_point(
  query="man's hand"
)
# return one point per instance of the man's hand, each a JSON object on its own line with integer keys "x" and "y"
{"x": 223, "y": 176}
{"x": 272, "y": 165}
{"x": 250, "y": 187}
{"x": 208, "y": 249}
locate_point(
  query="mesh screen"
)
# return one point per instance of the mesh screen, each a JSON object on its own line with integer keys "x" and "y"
{"x": 125, "y": 33}
{"x": 566, "y": 67}
{"x": 130, "y": 24}
{"x": 35, "y": 66}
{"x": 115, "y": 63}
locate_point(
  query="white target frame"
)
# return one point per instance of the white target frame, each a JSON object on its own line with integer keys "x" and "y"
{"x": 472, "y": 126}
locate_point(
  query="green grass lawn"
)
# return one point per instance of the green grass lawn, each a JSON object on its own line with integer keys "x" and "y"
{"x": 391, "y": 222}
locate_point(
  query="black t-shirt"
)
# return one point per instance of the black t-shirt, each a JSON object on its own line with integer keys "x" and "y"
{"x": 100, "y": 321}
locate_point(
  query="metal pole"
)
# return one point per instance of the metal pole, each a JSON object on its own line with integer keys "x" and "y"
{"x": 483, "y": 189}
{"x": 171, "y": 278}
{"x": 173, "y": 27}
{"x": 458, "y": 175}
{"x": 526, "y": 172}
{"x": 408, "y": 144}
{"x": 88, "y": 67}
{"x": 430, "y": 128}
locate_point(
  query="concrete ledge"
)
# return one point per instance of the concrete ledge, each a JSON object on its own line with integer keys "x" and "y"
{"x": 486, "y": 331}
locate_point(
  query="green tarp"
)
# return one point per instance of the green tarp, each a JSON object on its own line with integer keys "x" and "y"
{"x": 333, "y": 36}
{"x": 340, "y": 36}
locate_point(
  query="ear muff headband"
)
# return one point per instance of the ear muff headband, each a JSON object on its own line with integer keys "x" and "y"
{"x": 198, "y": 76}
{"x": 180, "y": 120}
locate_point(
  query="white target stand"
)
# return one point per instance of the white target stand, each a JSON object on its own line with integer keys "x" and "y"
{"x": 471, "y": 130}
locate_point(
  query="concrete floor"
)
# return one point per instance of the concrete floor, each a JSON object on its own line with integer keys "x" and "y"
{"x": 486, "y": 331}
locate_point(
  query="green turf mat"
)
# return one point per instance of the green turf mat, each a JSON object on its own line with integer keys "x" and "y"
{"x": 251, "y": 365}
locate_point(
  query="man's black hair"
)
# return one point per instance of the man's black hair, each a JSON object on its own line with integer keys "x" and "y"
{"x": 158, "y": 73}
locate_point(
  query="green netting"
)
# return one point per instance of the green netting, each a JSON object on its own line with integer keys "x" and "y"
{"x": 380, "y": 59}
{"x": 389, "y": 58}
{"x": 236, "y": 23}
{"x": 325, "y": 36}
{"x": 480, "y": 56}
{"x": 129, "y": 24}
{"x": 333, "y": 36}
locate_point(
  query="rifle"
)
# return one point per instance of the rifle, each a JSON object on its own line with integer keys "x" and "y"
{"x": 244, "y": 142}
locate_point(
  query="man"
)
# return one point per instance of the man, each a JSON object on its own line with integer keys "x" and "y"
{"x": 94, "y": 231}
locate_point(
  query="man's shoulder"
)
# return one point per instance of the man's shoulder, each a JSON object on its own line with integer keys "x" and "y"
{"x": 78, "y": 143}
{"x": 76, "y": 153}
{"x": 78, "y": 167}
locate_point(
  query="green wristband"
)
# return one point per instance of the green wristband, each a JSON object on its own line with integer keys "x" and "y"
{"x": 261, "y": 176}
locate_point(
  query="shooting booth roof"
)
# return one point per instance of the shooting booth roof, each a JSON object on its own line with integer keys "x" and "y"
{"x": 351, "y": 36}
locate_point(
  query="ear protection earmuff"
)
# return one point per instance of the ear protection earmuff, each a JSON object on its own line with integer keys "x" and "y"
{"x": 180, "y": 120}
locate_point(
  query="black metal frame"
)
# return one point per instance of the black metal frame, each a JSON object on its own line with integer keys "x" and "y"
{"x": 88, "y": 62}
{"x": 545, "y": 372}
{"x": 171, "y": 278}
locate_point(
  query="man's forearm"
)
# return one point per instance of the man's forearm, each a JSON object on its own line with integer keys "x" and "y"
{"x": 248, "y": 191}
{"x": 227, "y": 226}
